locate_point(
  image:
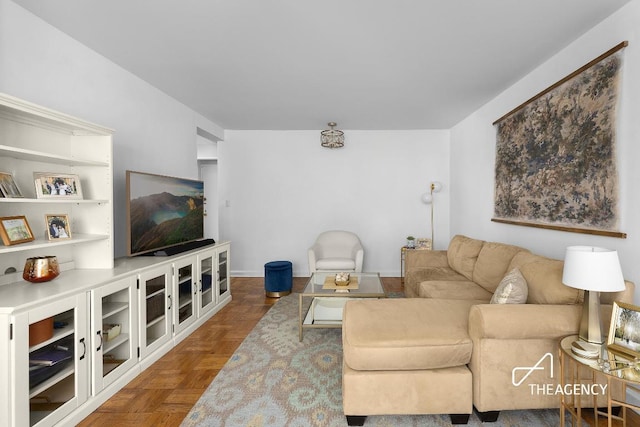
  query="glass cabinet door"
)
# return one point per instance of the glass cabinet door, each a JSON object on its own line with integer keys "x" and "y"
{"x": 51, "y": 350}
{"x": 223, "y": 273}
{"x": 115, "y": 331}
{"x": 186, "y": 293}
{"x": 206, "y": 278}
{"x": 155, "y": 309}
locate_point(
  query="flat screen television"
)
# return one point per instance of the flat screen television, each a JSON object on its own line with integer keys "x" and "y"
{"x": 163, "y": 213}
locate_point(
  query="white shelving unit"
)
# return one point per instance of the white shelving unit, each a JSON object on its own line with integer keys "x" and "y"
{"x": 37, "y": 139}
{"x": 94, "y": 291}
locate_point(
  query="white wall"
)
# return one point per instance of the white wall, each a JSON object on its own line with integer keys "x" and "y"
{"x": 154, "y": 132}
{"x": 283, "y": 189}
{"x": 473, "y": 150}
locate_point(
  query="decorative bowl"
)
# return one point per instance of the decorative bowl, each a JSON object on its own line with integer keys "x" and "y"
{"x": 41, "y": 269}
{"x": 342, "y": 279}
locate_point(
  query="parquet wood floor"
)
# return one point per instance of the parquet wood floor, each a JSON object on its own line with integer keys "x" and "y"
{"x": 164, "y": 393}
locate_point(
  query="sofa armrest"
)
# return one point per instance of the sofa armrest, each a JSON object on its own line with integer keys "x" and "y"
{"x": 523, "y": 321}
{"x": 424, "y": 258}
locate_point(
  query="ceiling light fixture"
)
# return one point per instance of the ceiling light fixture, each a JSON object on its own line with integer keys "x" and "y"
{"x": 332, "y": 138}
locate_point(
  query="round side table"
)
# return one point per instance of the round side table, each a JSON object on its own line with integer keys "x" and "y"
{"x": 607, "y": 370}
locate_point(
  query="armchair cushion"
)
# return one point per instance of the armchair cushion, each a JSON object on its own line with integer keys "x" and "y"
{"x": 336, "y": 264}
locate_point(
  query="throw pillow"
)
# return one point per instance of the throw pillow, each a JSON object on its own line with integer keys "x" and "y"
{"x": 512, "y": 289}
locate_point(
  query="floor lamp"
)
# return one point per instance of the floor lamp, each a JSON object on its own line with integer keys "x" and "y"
{"x": 427, "y": 198}
{"x": 595, "y": 270}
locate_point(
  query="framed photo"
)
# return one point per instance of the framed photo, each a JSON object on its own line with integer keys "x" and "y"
{"x": 14, "y": 230}
{"x": 57, "y": 185}
{"x": 58, "y": 227}
{"x": 8, "y": 187}
{"x": 624, "y": 332}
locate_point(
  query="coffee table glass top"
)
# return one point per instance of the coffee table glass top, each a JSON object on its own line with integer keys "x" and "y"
{"x": 368, "y": 285}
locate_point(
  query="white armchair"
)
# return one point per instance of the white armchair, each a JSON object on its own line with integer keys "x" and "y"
{"x": 336, "y": 251}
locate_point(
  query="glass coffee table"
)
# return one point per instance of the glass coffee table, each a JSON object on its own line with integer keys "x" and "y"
{"x": 328, "y": 299}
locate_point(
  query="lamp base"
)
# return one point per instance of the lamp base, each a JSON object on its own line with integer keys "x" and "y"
{"x": 585, "y": 349}
{"x": 591, "y": 323}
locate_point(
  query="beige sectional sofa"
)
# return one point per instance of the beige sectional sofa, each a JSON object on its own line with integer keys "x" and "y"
{"x": 447, "y": 349}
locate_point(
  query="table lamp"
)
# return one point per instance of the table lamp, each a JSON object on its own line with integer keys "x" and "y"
{"x": 595, "y": 270}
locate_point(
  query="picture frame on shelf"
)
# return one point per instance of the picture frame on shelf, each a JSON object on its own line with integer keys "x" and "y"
{"x": 423, "y": 243}
{"x": 57, "y": 185}
{"x": 15, "y": 230}
{"x": 624, "y": 331}
{"x": 8, "y": 186}
{"x": 58, "y": 226}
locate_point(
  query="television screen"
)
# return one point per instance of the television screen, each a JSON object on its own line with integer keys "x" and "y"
{"x": 162, "y": 211}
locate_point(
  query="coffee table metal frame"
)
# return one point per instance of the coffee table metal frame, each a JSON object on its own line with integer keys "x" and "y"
{"x": 369, "y": 286}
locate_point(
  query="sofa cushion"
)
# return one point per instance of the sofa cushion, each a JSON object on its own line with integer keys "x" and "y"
{"x": 544, "y": 280}
{"x": 414, "y": 277}
{"x": 453, "y": 289}
{"x": 493, "y": 263}
{"x": 406, "y": 333}
{"x": 462, "y": 254}
{"x": 511, "y": 290}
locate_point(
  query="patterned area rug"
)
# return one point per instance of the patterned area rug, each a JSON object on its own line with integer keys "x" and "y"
{"x": 274, "y": 380}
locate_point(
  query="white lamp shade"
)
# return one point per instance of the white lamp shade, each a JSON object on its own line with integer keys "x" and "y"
{"x": 436, "y": 186}
{"x": 592, "y": 269}
{"x": 427, "y": 198}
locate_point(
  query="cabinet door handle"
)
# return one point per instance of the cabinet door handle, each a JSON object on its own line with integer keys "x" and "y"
{"x": 101, "y": 342}
{"x": 84, "y": 348}
{"x": 170, "y": 303}
{"x": 195, "y": 289}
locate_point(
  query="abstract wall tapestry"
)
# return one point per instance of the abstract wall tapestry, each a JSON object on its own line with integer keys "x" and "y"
{"x": 555, "y": 154}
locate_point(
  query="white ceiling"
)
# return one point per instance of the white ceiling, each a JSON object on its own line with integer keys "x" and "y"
{"x": 298, "y": 64}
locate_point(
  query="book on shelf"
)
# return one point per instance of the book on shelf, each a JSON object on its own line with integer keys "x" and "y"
{"x": 50, "y": 356}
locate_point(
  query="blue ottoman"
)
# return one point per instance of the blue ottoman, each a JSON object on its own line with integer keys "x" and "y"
{"x": 278, "y": 278}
